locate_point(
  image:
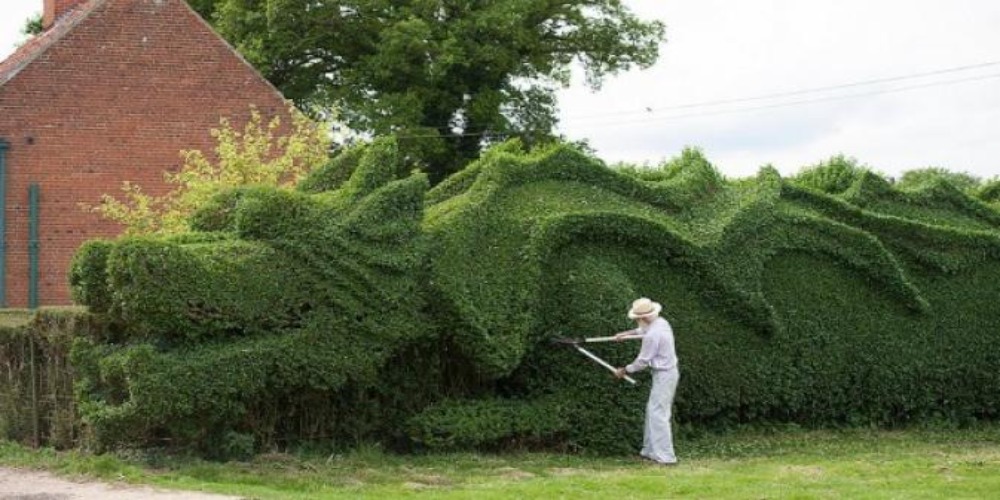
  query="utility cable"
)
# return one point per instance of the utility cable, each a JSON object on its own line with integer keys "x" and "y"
{"x": 738, "y": 110}
{"x": 793, "y": 92}
{"x": 795, "y": 103}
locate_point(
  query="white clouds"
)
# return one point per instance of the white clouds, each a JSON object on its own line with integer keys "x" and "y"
{"x": 13, "y": 14}
{"x": 719, "y": 49}
{"x": 723, "y": 49}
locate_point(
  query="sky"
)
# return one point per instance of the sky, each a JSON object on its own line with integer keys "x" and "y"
{"x": 896, "y": 84}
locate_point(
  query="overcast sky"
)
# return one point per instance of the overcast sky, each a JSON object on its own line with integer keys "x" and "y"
{"x": 937, "y": 102}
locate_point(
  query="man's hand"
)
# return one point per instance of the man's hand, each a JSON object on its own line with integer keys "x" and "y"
{"x": 620, "y": 336}
{"x": 620, "y": 373}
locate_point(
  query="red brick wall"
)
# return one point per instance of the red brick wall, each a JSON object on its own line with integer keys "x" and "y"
{"x": 116, "y": 99}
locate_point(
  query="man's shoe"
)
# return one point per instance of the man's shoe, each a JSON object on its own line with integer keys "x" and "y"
{"x": 657, "y": 462}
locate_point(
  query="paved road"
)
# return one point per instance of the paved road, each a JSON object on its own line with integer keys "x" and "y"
{"x": 19, "y": 484}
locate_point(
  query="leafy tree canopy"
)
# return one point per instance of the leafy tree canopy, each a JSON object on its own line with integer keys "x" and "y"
{"x": 447, "y": 76}
{"x": 920, "y": 177}
{"x": 834, "y": 175}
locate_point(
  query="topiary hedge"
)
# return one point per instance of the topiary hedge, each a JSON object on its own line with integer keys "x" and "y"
{"x": 369, "y": 308}
{"x": 298, "y": 293}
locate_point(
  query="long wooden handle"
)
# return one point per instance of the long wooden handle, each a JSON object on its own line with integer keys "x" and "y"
{"x": 612, "y": 339}
{"x": 603, "y": 363}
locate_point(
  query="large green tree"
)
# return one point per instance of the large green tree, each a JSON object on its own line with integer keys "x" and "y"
{"x": 447, "y": 76}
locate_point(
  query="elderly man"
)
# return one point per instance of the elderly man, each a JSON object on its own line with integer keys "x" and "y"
{"x": 657, "y": 354}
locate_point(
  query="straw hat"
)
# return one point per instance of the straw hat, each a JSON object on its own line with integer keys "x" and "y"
{"x": 644, "y": 307}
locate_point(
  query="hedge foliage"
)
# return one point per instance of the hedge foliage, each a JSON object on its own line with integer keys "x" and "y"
{"x": 44, "y": 337}
{"x": 295, "y": 293}
{"x": 365, "y": 307}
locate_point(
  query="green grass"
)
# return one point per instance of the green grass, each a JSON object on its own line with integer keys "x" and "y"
{"x": 747, "y": 464}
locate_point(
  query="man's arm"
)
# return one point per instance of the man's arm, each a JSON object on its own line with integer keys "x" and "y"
{"x": 650, "y": 344}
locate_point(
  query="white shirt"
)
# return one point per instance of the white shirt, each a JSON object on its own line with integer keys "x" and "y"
{"x": 657, "y": 350}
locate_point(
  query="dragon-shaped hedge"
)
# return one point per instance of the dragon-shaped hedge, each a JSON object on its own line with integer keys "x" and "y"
{"x": 377, "y": 309}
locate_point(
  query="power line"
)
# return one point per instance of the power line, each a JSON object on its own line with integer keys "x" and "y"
{"x": 802, "y": 101}
{"x": 762, "y": 107}
{"x": 790, "y": 93}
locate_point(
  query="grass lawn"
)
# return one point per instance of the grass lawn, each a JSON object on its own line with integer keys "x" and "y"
{"x": 918, "y": 463}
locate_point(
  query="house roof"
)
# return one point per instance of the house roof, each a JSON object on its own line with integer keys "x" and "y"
{"x": 37, "y": 45}
{"x": 64, "y": 24}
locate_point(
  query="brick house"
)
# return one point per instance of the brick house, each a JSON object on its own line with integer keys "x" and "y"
{"x": 112, "y": 90}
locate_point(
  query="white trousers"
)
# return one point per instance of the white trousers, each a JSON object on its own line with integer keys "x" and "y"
{"x": 657, "y": 439}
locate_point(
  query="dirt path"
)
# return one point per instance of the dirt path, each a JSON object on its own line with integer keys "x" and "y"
{"x": 18, "y": 484}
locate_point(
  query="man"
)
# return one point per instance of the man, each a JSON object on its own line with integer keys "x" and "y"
{"x": 657, "y": 354}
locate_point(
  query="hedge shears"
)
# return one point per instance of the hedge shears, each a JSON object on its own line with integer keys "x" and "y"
{"x": 576, "y": 345}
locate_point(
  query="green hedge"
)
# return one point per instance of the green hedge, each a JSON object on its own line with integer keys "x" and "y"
{"x": 369, "y": 308}
{"x": 52, "y": 409}
{"x": 752, "y": 274}
{"x": 298, "y": 293}
{"x": 495, "y": 423}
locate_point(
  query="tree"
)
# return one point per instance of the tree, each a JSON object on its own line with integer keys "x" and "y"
{"x": 924, "y": 176}
{"x": 834, "y": 175}
{"x": 251, "y": 156}
{"x": 447, "y": 76}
